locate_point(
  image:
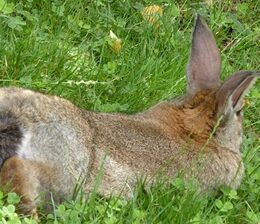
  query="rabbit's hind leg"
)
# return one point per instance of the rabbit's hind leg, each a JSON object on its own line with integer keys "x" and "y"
{"x": 23, "y": 177}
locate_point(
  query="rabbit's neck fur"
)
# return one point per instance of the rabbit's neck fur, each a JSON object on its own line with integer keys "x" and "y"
{"x": 196, "y": 118}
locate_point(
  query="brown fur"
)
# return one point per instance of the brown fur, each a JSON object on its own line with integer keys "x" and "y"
{"x": 194, "y": 119}
{"x": 14, "y": 177}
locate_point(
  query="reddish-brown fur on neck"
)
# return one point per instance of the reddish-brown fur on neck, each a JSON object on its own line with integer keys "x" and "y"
{"x": 198, "y": 115}
{"x": 193, "y": 119}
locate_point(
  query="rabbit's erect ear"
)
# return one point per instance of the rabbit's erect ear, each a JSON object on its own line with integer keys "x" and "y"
{"x": 204, "y": 65}
{"x": 230, "y": 95}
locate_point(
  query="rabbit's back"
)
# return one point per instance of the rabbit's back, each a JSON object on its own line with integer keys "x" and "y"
{"x": 146, "y": 145}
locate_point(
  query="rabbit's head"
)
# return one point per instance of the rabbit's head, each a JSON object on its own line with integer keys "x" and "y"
{"x": 213, "y": 107}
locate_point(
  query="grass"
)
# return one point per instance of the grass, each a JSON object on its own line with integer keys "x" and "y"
{"x": 63, "y": 48}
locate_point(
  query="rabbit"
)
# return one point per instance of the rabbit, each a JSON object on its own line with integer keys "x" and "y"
{"x": 47, "y": 144}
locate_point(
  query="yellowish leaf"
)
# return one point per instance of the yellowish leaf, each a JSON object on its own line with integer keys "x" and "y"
{"x": 115, "y": 43}
{"x": 152, "y": 14}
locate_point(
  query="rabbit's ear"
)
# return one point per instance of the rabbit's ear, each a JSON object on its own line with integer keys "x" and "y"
{"x": 230, "y": 95}
{"x": 203, "y": 69}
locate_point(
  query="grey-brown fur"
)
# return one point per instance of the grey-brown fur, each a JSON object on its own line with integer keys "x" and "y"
{"x": 55, "y": 143}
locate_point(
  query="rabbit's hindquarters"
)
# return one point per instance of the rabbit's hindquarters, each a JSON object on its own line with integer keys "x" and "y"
{"x": 29, "y": 179}
{"x": 45, "y": 145}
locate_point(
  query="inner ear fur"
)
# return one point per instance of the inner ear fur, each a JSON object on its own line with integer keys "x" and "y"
{"x": 231, "y": 93}
{"x": 203, "y": 69}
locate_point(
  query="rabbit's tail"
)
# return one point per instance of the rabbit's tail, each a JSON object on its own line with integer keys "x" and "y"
{"x": 10, "y": 135}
